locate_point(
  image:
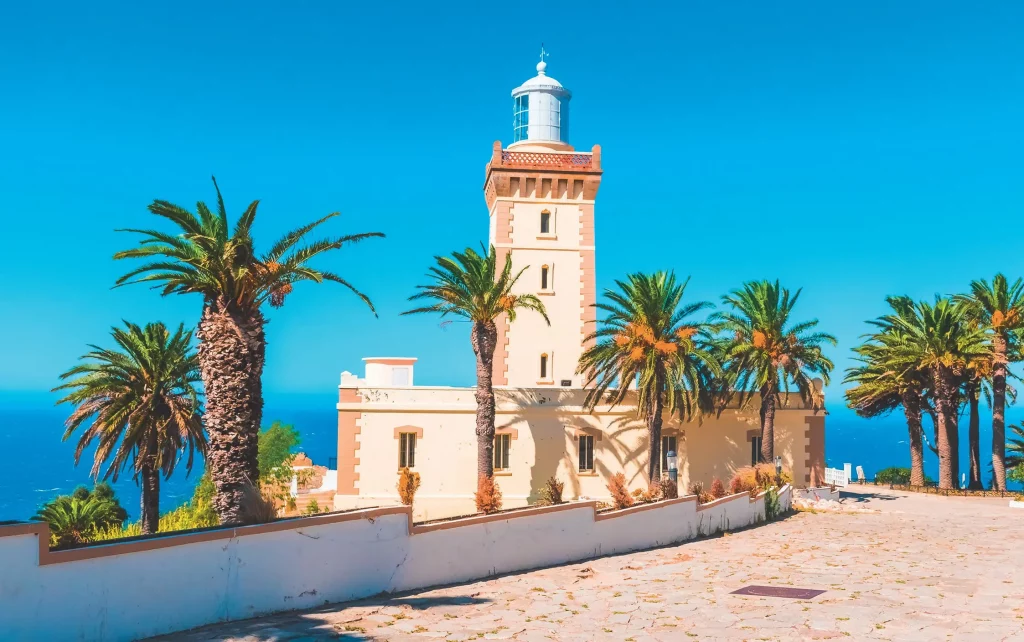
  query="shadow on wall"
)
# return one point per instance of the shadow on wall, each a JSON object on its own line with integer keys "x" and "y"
{"x": 555, "y": 445}
{"x": 550, "y": 457}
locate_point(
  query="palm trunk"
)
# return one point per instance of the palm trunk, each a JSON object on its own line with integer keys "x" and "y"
{"x": 655, "y": 406}
{"x": 974, "y": 440}
{"x": 768, "y": 423}
{"x": 150, "y": 516}
{"x": 912, "y": 411}
{"x": 998, "y": 411}
{"x": 944, "y": 416}
{"x": 953, "y": 425}
{"x": 485, "y": 338}
{"x": 231, "y": 353}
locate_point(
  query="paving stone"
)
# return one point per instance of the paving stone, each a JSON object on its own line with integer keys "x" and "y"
{"x": 917, "y": 568}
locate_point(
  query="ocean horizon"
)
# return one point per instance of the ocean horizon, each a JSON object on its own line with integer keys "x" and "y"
{"x": 39, "y": 466}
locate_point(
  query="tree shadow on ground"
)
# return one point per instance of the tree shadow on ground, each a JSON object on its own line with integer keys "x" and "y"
{"x": 866, "y": 497}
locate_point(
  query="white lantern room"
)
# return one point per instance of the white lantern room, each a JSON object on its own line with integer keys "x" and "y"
{"x": 541, "y": 113}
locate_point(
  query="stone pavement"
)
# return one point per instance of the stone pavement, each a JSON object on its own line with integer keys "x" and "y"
{"x": 921, "y": 568}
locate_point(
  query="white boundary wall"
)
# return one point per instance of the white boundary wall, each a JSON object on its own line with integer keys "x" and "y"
{"x": 148, "y": 587}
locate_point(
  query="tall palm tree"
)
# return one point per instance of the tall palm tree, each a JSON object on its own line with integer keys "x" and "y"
{"x": 1000, "y": 307}
{"x": 976, "y": 382}
{"x": 647, "y": 338}
{"x": 139, "y": 404}
{"x": 942, "y": 338}
{"x": 468, "y": 285}
{"x": 770, "y": 352}
{"x": 220, "y": 263}
{"x": 885, "y": 380}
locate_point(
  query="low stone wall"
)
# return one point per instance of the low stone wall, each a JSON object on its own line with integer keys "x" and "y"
{"x": 825, "y": 492}
{"x": 146, "y": 587}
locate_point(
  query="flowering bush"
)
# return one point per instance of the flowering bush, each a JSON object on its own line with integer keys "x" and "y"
{"x": 488, "y": 496}
{"x": 552, "y": 492}
{"x": 620, "y": 493}
{"x": 717, "y": 488}
{"x": 408, "y": 484}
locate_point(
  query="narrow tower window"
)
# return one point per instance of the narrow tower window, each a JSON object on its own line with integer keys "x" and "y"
{"x": 545, "y": 278}
{"x": 545, "y": 222}
{"x": 543, "y": 366}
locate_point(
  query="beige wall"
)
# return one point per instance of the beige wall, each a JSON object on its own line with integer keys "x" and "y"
{"x": 529, "y": 336}
{"x": 544, "y": 424}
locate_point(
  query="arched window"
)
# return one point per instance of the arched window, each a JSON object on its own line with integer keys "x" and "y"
{"x": 544, "y": 366}
{"x": 545, "y": 222}
{"x": 545, "y": 277}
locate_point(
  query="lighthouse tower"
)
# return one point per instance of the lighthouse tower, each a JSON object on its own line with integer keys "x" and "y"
{"x": 540, "y": 194}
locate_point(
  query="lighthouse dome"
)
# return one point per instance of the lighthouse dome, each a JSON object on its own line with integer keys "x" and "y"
{"x": 540, "y": 112}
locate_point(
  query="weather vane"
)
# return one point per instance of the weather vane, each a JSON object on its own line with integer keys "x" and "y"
{"x": 543, "y": 53}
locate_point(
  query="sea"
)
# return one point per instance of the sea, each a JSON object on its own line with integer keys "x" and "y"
{"x": 35, "y": 465}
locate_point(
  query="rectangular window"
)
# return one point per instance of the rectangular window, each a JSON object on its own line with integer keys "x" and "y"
{"x": 586, "y": 453}
{"x": 545, "y": 282}
{"x": 543, "y": 366}
{"x": 502, "y": 445}
{"x": 400, "y": 377}
{"x": 667, "y": 444}
{"x": 407, "y": 450}
{"x": 755, "y": 450}
{"x": 545, "y": 222}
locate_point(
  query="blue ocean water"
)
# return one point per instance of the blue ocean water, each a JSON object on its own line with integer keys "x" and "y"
{"x": 36, "y": 465}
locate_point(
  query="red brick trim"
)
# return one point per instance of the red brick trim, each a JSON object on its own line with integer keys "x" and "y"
{"x": 815, "y": 450}
{"x": 42, "y": 530}
{"x": 416, "y": 430}
{"x": 389, "y": 361}
{"x": 600, "y": 517}
{"x": 348, "y": 443}
{"x": 46, "y": 556}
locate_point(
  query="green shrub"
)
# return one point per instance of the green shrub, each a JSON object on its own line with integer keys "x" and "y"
{"x": 771, "y": 504}
{"x": 78, "y": 517}
{"x": 312, "y": 508}
{"x": 551, "y": 493}
{"x": 893, "y": 475}
{"x": 196, "y": 513}
{"x": 1016, "y": 474}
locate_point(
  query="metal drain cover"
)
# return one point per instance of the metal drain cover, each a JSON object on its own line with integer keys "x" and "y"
{"x": 779, "y": 591}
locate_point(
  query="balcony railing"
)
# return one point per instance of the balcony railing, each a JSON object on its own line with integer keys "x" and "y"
{"x": 547, "y": 161}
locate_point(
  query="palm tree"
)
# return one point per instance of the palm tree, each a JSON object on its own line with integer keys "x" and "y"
{"x": 1015, "y": 447}
{"x": 885, "y": 380}
{"x": 976, "y": 382}
{"x": 74, "y": 520}
{"x": 942, "y": 338}
{"x": 143, "y": 408}
{"x": 1000, "y": 307}
{"x": 468, "y": 285}
{"x": 769, "y": 352}
{"x": 647, "y": 338}
{"x": 221, "y": 264}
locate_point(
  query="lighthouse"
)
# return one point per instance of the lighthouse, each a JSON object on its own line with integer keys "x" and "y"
{"x": 540, "y": 195}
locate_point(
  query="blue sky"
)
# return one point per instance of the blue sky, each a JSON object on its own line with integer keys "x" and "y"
{"x": 852, "y": 149}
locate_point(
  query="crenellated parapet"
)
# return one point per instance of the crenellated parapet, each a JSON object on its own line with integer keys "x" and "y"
{"x": 553, "y": 175}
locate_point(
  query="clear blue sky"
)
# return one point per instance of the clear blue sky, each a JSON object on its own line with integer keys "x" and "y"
{"x": 852, "y": 149}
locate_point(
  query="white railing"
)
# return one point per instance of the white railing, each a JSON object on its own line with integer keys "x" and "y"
{"x": 837, "y": 476}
